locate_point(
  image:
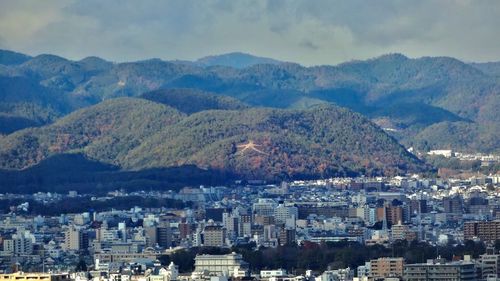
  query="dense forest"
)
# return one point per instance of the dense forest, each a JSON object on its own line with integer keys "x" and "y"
{"x": 429, "y": 102}
{"x": 85, "y": 204}
{"x": 133, "y": 135}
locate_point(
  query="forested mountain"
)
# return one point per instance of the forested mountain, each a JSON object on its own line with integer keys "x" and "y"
{"x": 269, "y": 143}
{"x": 427, "y": 103}
{"x": 133, "y": 134}
{"x": 191, "y": 100}
{"x": 490, "y": 68}
{"x": 106, "y": 132}
{"x": 235, "y": 60}
{"x": 25, "y": 103}
{"x": 12, "y": 58}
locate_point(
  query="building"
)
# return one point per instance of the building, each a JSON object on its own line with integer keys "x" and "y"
{"x": 442, "y": 152}
{"x": 164, "y": 235}
{"x": 245, "y": 225}
{"x": 386, "y": 267}
{"x": 19, "y": 244}
{"x": 75, "y": 239}
{"x": 440, "y": 271}
{"x": 231, "y": 224}
{"x": 220, "y": 264}
{"x": 341, "y": 274}
{"x": 286, "y": 236}
{"x": 265, "y": 274}
{"x": 489, "y": 264}
{"x": 21, "y": 276}
{"x": 418, "y": 206}
{"x": 151, "y": 234}
{"x": 453, "y": 204}
{"x": 264, "y": 207}
{"x": 170, "y": 273}
{"x": 364, "y": 270}
{"x": 124, "y": 257}
{"x": 282, "y": 213}
{"x": 214, "y": 236}
{"x": 403, "y": 232}
{"x": 393, "y": 214}
{"x": 484, "y": 230}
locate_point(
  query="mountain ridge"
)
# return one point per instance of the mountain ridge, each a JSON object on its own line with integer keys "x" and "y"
{"x": 368, "y": 87}
{"x": 136, "y": 134}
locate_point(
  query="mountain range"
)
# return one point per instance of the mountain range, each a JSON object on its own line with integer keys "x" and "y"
{"x": 173, "y": 113}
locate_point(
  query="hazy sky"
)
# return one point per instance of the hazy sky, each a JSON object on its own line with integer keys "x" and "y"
{"x": 309, "y": 32}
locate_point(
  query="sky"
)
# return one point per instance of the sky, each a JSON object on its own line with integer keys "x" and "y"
{"x": 310, "y": 32}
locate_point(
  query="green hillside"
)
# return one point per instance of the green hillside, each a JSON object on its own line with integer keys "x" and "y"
{"x": 105, "y": 132}
{"x": 191, "y": 100}
{"x": 413, "y": 94}
{"x": 136, "y": 134}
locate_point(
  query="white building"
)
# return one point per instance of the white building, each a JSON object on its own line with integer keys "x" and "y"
{"x": 272, "y": 273}
{"x": 218, "y": 265}
{"x": 283, "y": 213}
{"x": 443, "y": 152}
{"x": 264, "y": 207}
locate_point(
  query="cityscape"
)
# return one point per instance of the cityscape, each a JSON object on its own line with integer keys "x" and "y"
{"x": 207, "y": 232}
{"x": 249, "y": 140}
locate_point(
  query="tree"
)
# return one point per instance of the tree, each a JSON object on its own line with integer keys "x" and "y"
{"x": 81, "y": 265}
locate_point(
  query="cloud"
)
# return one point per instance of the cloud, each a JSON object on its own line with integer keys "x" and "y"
{"x": 308, "y": 32}
{"x": 309, "y": 45}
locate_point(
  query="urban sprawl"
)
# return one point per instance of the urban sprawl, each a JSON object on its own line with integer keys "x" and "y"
{"x": 212, "y": 232}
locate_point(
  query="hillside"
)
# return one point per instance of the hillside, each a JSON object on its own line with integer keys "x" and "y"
{"x": 191, "y": 100}
{"x": 235, "y": 60}
{"x": 12, "y": 58}
{"x": 266, "y": 143}
{"x": 104, "y": 132}
{"x": 490, "y": 68}
{"x": 75, "y": 171}
{"x": 135, "y": 134}
{"x": 24, "y": 103}
{"x": 431, "y": 90}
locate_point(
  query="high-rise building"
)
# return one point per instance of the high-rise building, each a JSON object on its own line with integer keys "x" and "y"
{"x": 393, "y": 214}
{"x": 185, "y": 229}
{"x": 151, "y": 235}
{"x": 245, "y": 225}
{"x": 231, "y": 224}
{"x": 282, "y": 213}
{"x": 484, "y": 230}
{"x": 19, "y": 244}
{"x": 418, "y": 206}
{"x": 122, "y": 231}
{"x": 164, "y": 235}
{"x": 386, "y": 267}
{"x": 439, "y": 271}
{"x": 453, "y": 204}
{"x": 75, "y": 239}
{"x": 214, "y": 236}
{"x": 264, "y": 207}
{"x": 286, "y": 236}
{"x": 403, "y": 232}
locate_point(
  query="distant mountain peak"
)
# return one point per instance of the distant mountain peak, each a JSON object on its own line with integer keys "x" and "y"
{"x": 235, "y": 60}
{"x": 392, "y": 57}
{"x": 12, "y": 58}
{"x": 93, "y": 59}
{"x": 95, "y": 63}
